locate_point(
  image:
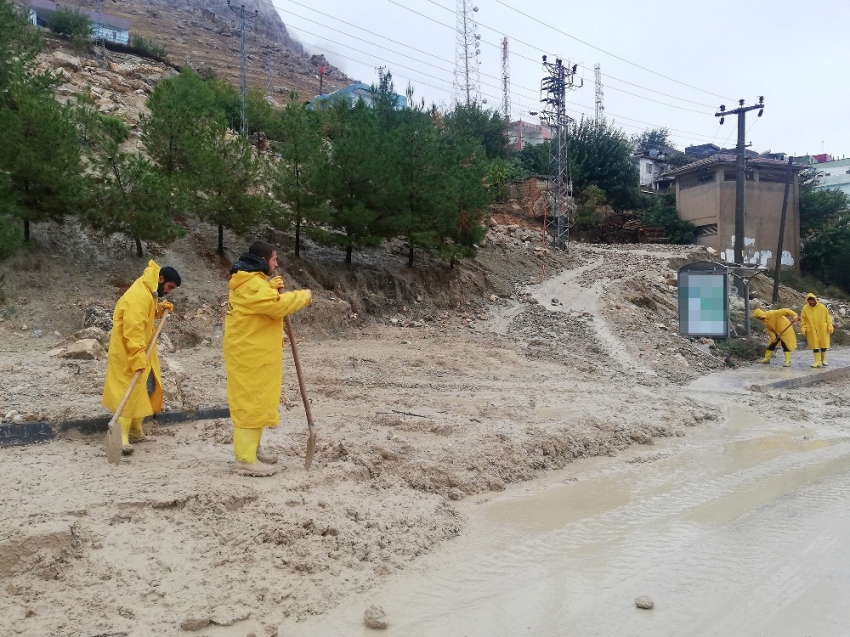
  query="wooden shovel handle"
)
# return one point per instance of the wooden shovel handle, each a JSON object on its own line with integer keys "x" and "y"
{"x": 291, "y": 333}
{"x": 138, "y": 374}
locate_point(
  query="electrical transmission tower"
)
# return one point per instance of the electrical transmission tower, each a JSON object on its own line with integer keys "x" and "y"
{"x": 597, "y": 71}
{"x": 467, "y": 82}
{"x": 741, "y": 171}
{"x": 244, "y": 16}
{"x": 559, "y": 79}
{"x": 99, "y": 43}
{"x": 506, "y": 82}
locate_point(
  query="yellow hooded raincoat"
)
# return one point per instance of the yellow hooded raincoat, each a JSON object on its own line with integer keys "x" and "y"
{"x": 816, "y": 324}
{"x": 132, "y": 330}
{"x": 253, "y": 338}
{"x": 776, "y": 322}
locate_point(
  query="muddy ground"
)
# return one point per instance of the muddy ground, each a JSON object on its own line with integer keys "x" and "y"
{"x": 427, "y": 386}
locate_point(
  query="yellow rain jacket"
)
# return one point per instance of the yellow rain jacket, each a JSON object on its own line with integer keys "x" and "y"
{"x": 253, "y": 338}
{"x": 776, "y": 322}
{"x": 132, "y": 330}
{"x": 816, "y": 324}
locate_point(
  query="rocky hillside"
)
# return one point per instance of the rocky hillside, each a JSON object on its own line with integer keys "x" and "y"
{"x": 205, "y": 35}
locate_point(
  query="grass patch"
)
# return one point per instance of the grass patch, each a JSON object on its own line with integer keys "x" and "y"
{"x": 744, "y": 349}
{"x": 840, "y": 337}
{"x": 807, "y": 283}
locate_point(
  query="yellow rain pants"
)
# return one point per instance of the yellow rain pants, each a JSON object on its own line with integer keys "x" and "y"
{"x": 130, "y": 426}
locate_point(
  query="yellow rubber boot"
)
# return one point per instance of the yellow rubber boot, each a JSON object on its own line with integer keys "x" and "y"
{"x": 818, "y": 359}
{"x": 126, "y": 425}
{"x": 767, "y": 356}
{"x": 245, "y": 445}
{"x": 823, "y": 359}
{"x": 787, "y": 359}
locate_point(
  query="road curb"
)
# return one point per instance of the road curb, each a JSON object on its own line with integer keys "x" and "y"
{"x": 802, "y": 381}
{"x": 30, "y": 433}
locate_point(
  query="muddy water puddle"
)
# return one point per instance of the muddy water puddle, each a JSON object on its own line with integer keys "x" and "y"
{"x": 738, "y": 529}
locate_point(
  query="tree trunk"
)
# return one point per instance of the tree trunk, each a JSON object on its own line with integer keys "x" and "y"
{"x": 410, "y": 257}
{"x": 139, "y": 252}
{"x": 298, "y": 237}
{"x": 452, "y": 263}
{"x": 26, "y": 230}
{"x": 220, "y": 240}
{"x": 348, "y": 251}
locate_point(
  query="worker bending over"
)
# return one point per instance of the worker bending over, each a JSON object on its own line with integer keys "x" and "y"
{"x": 778, "y": 325}
{"x": 816, "y": 326}
{"x": 253, "y": 341}
{"x": 132, "y": 331}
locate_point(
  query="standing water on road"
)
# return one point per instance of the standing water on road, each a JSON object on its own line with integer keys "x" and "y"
{"x": 738, "y": 529}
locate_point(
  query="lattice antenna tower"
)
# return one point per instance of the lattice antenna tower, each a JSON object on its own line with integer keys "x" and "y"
{"x": 99, "y": 43}
{"x": 600, "y": 95}
{"x": 244, "y": 15}
{"x": 467, "y": 82}
{"x": 558, "y": 220}
{"x": 506, "y": 81}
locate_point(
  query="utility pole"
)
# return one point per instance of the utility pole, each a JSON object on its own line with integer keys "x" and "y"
{"x": 506, "y": 82}
{"x": 244, "y": 16}
{"x": 778, "y": 261}
{"x": 558, "y": 80}
{"x": 740, "y": 170}
{"x": 467, "y": 81}
{"x": 597, "y": 72}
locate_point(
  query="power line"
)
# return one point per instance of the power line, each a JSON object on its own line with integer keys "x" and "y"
{"x": 443, "y": 24}
{"x": 601, "y": 50}
{"x": 536, "y": 48}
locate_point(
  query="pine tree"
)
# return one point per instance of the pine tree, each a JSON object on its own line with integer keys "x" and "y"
{"x": 40, "y": 163}
{"x": 132, "y": 197}
{"x": 349, "y": 173}
{"x": 226, "y": 182}
{"x": 296, "y": 173}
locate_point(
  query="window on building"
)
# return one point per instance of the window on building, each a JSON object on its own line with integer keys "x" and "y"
{"x": 649, "y": 169}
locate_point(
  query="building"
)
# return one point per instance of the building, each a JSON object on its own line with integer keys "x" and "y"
{"x": 652, "y": 165}
{"x": 705, "y": 196}
{"x": 521, "y": 133}
{"x": 109, "y": 27}
{"x": 834, "y": 174}
{"x": 703, "y": 151}
{"x": 355, "y": 92}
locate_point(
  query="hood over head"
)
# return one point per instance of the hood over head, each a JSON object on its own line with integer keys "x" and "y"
{"x": 811, "y": 296}
{"x": 759, "y": 313}
{"x": 250, "y": 263}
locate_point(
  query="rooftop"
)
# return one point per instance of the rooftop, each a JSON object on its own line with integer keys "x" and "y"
{"x": 105, "y": 19}
{"x": 729, "y": 159}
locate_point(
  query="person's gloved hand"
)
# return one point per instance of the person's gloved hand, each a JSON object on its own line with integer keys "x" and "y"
{"x": 831, "y": 330}
{"x": 166, "y": 305}
{"x": 276, "y": 283}
{"x": 309, "y": 296}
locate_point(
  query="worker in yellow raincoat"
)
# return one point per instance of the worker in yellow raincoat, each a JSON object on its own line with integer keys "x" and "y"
{"x": 778, "y": 325}
{"x": 816, "y": 326}
{"x": 132, "y": 330}
{"x": 253, "y": 339}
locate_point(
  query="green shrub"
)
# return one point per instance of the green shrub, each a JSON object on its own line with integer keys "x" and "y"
{"x": 746, "y": 349}
{"x": 150, "y": 47}
{"x": 11, "y": 236}
{"x": 661, "y": 212}
{"x": 72, "y": 24}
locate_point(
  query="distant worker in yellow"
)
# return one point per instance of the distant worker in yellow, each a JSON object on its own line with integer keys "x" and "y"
{"x": 778, "y": 325}
{"x": 132, "y": 331}
{"x": 253, "y": 341}
{"x": 816, "y": 326}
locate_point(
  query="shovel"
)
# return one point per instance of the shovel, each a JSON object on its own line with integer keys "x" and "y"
{"x": 113, "y": 435}
{"x": 311, "y": 435}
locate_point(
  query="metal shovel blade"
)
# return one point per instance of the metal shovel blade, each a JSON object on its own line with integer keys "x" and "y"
{"x": 112, "y": 444}
{"x": 311, "y": 448}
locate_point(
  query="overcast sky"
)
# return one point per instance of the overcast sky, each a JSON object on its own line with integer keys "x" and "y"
{"x": 793, "y": 53}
